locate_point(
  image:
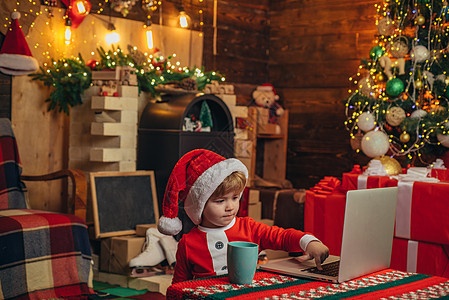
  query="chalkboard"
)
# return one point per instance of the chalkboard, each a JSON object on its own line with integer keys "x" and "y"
{"x": 122, "y": 200}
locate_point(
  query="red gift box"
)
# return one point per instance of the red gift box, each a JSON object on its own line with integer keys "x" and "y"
{"x": 352, "y": 181}
{"x": 420, "y": 257}
{"x": 441, "y": 174}
{"x": 422, "y": 212}
{"x": 324, "y": 213}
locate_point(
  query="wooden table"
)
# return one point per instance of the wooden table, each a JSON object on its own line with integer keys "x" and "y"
{"x": 266, "y": 285}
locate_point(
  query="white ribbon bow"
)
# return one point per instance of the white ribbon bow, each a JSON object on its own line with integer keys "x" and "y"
{"x": 438, "y": 164}
{"x": 417, "y": 174}
{"x": 375, "y": 168}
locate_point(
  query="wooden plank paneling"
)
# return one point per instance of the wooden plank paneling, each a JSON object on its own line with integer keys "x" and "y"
{"x": 315, "y": 46}
{"x": 329, "y": 48}
{"x": 314, "y": 74}
{"x": 310, "y": 17}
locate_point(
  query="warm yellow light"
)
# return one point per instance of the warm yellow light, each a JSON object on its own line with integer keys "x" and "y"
{"x": 149, "y": 35}
{"x": 183, "y": 19}
{"x": 67, "y": 35}
{"x": 67, "y": 32}
{"x": 80, "y": 7}
{"x": 112, "y": 37}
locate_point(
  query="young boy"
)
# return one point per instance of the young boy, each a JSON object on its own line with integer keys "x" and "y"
{"x": 211, "y": 187}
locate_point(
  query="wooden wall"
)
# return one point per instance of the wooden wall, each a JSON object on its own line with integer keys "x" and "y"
{"x": 315, "y": 46}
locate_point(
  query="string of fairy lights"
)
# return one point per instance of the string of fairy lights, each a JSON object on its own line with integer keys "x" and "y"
{"x": 52, "y": 31}
{"x": 50, "y": 46}
{"x": 402, "y": 90}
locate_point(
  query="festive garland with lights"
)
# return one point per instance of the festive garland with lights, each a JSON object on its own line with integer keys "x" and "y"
{"x": 71, "y": 77}
{"x": 402, "y": 90}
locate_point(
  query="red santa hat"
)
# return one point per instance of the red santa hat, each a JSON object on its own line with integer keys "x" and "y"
{"x": 268, "y": 87}
{"x": 193, "y": 180}
{"x": 15, "y": 55}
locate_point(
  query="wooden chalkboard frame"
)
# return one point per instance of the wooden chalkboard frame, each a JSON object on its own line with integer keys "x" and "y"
{"x": 98, "y": 202}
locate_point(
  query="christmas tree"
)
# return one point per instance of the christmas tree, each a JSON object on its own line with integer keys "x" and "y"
{"x": 400, "y": 105}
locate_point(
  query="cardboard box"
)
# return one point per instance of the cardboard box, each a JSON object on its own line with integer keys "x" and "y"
{"x": 128, "y": 91}
{"x": 254, "y": 196}
{"x": 141, "y": 229}
{"x": 255, "y": 211}
{"x": 263, "y": 125}
{"x": 243, "y": 148}
{"x": 116, "y": 252}
{"x": 105, "y": 75}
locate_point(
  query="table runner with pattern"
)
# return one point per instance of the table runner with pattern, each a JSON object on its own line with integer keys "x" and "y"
{"x": 386, "y": 284}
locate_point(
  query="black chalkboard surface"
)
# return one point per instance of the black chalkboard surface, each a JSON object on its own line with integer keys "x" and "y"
{"x": 122, "y": 200}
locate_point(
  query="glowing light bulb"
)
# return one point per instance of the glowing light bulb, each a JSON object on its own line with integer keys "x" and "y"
{"x": 149, "y": 35}
{"x": 112, "y": 37}
{"x": 183, "y": 19}
{"x": 68, "y": 31}
{"x": 80, "y": 7}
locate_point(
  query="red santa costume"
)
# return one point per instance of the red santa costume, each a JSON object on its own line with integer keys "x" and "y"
{"x": 203, "y": 251}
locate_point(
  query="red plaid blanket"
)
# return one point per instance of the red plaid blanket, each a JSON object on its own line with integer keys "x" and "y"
{"x": 53, "y": 250}
{"x": 11, "y": 195}
{"x": 385, "y": 284}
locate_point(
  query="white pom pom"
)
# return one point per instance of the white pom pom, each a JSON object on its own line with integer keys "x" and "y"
{"x": 169, "y": 226}
{"x": 15, "y": 15}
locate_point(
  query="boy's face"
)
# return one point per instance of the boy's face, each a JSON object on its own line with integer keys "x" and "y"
{"x": 219, "y": 212}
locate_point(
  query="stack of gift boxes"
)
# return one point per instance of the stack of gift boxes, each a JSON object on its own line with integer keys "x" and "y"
{"x": 421, "y": 238}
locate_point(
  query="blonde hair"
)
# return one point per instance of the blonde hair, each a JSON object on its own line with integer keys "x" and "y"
{"x": 235, "y": 182}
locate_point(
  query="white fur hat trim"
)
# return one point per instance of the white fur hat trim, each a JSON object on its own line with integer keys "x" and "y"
{"x": 207, "y": 183}
{"x": 169, "y": 226}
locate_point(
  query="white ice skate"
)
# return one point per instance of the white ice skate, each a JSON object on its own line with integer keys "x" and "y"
{"x": 152, "y": 254}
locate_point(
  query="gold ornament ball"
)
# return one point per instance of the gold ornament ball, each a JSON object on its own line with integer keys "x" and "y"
{"x": 395, "y": 115}
{"x": 380, "y": 77}
{"x": 418, "y": 84}
{"x": 404, "y": 137}
{"x": 391, "y": 165}
{"x": 420, "y": 20}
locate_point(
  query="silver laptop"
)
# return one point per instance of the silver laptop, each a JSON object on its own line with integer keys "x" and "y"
{"x": 366, "y": 244}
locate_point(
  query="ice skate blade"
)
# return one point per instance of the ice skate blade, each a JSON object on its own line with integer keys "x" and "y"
{"x": 145, "y": 272}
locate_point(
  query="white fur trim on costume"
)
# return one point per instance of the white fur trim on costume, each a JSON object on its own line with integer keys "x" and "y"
{"x": 169, "y": 226}
{"x": 17, "y": 64}
{"x": 206, "y": 184}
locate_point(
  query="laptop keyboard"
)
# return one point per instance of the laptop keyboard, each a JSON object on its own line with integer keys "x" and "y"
{"x": 330, "y": 269}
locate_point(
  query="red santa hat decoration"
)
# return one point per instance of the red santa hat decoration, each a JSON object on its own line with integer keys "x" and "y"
{"x": 193, "y": 180}
{"x": 15, "y": 55}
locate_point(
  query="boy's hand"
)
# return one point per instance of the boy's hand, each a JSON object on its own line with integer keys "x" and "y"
{"x": 315, "y": 250}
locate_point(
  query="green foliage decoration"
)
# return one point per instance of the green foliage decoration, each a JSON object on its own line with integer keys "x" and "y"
{"x": 69, "y": 78}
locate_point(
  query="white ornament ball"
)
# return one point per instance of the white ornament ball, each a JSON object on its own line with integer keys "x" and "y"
{"x": 366, "y": 121}
{"x": 375, "y": 143}
{"x": 419, "y": 113}
{"x": 443, "y": 139}
{"x": 395, "y": 116}
{"x": 420, "y": 54}
{"x": 366, "y": 86}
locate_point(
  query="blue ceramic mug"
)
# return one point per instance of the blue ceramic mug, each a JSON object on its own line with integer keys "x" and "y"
{"x": 242, "y": 262}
